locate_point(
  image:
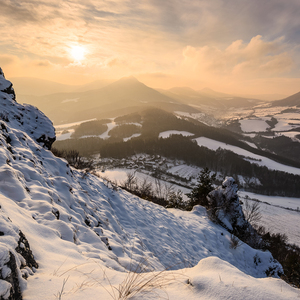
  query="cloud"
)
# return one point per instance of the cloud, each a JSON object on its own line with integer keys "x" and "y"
{"x": 134, "y": 37}
{"x": 16, "y": 67}
{"x": 42, "y": 63}
{"x": 6, "y": 60}
{"x": 258, "y": 58}
{"x": 16, "y": 12}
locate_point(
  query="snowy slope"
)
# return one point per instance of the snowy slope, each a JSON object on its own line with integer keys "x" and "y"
{"x": 86, "y": 234}
{"x": 279, "y": 214}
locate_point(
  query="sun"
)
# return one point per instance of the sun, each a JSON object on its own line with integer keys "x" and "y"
{"x": 78, "y": 52}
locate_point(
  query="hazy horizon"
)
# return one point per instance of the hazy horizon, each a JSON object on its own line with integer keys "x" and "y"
{"x": 229, "y": 46}
{"x": 27, "y": 86}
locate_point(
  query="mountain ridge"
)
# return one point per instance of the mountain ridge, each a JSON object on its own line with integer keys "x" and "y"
{"x": 293, "y": 100}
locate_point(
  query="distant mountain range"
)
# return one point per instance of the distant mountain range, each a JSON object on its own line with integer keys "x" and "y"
{"x": 39, "y": 87}
{"x": 106, "y": 99}
{"x": 210, "y": 98}
{"x": 118, "y": 98}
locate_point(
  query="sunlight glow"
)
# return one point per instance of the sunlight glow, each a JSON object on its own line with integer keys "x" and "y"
{"x": 78, "y": 52}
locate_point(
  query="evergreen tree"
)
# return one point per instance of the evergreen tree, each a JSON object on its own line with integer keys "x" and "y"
{"x": 199, "y": 193}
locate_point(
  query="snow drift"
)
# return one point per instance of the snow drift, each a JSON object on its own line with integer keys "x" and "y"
{"x": 67, "y": 232}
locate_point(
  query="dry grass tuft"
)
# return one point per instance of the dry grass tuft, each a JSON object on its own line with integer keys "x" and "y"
{"x": 139, "y": 281}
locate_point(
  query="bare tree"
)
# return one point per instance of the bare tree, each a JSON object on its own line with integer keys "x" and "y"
{"x": 252, "y": 212}
{"x": 130, "y": 182}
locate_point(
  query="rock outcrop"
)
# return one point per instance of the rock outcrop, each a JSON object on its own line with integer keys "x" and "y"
{"x": 32, "y": 121}
{"x": 16, "y": 260}
{"x": 225, "y": 206}
{"x": 225, "y": 209}
{"x": 6, "y": 86}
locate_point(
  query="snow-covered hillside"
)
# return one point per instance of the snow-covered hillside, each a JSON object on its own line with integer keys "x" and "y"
{"x": 74, "y": 237}
{"x": 251, "y": 157}
{"x": 279, "y": 214}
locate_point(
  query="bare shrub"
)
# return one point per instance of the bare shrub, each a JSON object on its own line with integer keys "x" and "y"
{"x": 145, "y": 188}
{"x": 130, "y": 182}
{"x": 74, "y": 158}
{"x": 252, "y": 212}
{"x": 158, "y": 188}
{"x": 175, "y": 200}
{"x": 168, "y": 190}
{"x": 57, "y": 152}
{"x": 163, "y": 194}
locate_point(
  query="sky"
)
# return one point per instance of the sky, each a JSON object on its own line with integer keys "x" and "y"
{"x": 233, "y": 46}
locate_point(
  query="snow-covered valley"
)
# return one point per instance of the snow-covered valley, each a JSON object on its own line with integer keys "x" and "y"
{"x": 88, "y": 237}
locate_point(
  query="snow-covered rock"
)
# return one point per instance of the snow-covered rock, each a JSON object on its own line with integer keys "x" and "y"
{"x": 6, "y": 86}
{"x": 84, "y": 233}
{"x": 26, "y": 119}
{"x": 225, "y": 209}
{"x": 225, "y": 205}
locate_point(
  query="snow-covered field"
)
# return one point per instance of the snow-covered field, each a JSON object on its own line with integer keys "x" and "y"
{"x": 253, "y": 158}
{"x": 61, "y": 129}
{"x": 85, "y": 234}
{"x": 279, "y": 220}
{"x": 290, "y": 134}
{"x": 256, "y": 125}
{"x": 64, "y": 132}
{"x": 279, "y": 215}
{"x": 284, "y": 202}
{"x": 185, "y": 171}
{"x": 131, "y": 137}
{"x": 69, "y": 125}
{"x": 286, "y": 121}
{"x": 202, "y": 117}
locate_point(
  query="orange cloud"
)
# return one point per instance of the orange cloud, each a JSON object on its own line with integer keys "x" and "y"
{"x": 255, "y": 59}
{"x": 6, "y": 60}
{"x": 151, "y": 37}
